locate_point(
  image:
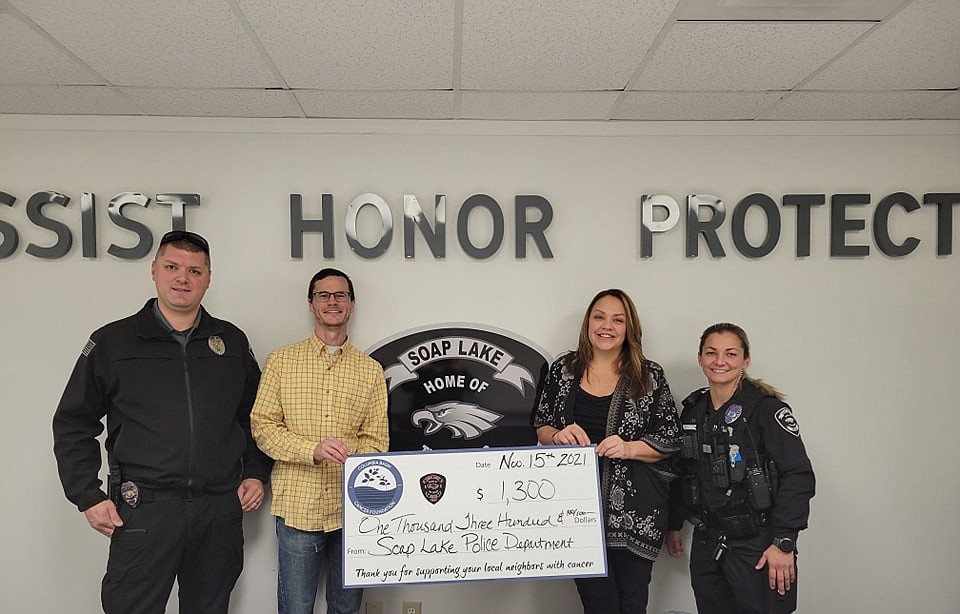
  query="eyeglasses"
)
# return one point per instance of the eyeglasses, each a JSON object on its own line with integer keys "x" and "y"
{"x": 186, "y": 235}
{"x": 323, "y": 297}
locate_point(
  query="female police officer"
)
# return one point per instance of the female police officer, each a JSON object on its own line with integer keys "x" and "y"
{"x": 746, "y": 485}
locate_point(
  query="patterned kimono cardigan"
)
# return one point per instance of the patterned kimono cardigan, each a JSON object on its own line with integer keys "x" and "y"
{"x": 634, "y": 493}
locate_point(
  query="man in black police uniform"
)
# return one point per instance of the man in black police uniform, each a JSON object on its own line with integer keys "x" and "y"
{"x": 746, "y": 485}
{"x": 176, "y": 386}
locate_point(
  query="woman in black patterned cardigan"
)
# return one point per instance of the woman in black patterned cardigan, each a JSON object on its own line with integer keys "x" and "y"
{"x": 607, "y": 393}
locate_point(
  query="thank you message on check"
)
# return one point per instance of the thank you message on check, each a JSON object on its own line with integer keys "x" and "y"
{"x": 484, "y": 514}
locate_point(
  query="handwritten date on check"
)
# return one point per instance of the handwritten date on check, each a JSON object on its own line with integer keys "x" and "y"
{"x": 477, "y": 514}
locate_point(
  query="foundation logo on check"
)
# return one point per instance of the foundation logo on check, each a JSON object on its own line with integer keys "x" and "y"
{"x": 375, "y": 487}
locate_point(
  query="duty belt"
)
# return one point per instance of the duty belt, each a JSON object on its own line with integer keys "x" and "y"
{"x": 133, "y": 494}
{"x": 733, "y": 521}
{"x": 148, "y": 495}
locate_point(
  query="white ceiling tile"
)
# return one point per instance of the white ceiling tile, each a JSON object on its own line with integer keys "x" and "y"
{"x": 143, "y": 42}
{"x": 828, "y": 106}
{"x": 484, "y": 59}
{"x": 557, "y": 45}
{"x": 214, "y": 103}
{"x": 947, "y": 107}
{"x": 357, "y": 44}
{"x": 919, "y": 48}
{"x": 743, "y": 56}
{"x": 787, "y": 10}
{"x": 376, "y": 104}
{"x": 537, "y": 105}
{"x": 713, "y": 106}
{"x": 65, "y": 100}
{"x": 30, "y": 59}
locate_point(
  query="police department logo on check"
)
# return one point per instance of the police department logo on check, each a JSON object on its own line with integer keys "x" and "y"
{"x": 433, "y": 485}
{"x": 460, "y": 386}
{"x": 375, "y": 487}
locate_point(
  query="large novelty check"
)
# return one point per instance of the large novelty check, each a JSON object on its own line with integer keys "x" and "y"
{"x": 455, "y": 515}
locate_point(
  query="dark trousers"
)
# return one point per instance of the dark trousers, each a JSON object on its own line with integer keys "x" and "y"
{"x": 732, "y": 585}
{"x": 198, "y": 542}
{"x": 623, "y": 591}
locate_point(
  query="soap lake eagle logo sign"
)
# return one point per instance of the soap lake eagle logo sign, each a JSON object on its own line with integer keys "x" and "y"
{"x": 460, "y": 386}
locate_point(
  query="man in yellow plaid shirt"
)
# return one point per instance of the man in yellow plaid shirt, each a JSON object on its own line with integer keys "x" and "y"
{"x": 319, "y": 401}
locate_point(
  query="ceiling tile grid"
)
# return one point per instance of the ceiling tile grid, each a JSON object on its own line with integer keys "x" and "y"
{"x": 377, "y": 105}
{"x": 558, "y": 106}
{"x": 57, "y": 100}
{"x": 214, "y": 102}
{"x": 850, "y": 105}
{"x": 744, "y": 56}
{"x": 918, "y": 48}
{"x": 557, "y": 45}
{"x": 946, "y": 107}
{"x": 357, "y": 44}
{"x": 708, "y": 106}
{"x": 26, "y": 58}
{"x": 176, "y": 43}
{"x": 550, "y": 60}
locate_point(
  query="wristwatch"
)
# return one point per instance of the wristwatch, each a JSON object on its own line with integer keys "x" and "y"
{"x": 786, "y": 544}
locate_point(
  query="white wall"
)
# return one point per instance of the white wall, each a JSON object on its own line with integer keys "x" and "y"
{"x": 864, "y": 347}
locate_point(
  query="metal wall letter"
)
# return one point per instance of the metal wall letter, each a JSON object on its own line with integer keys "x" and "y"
{"x": 298, "y": 225}
{"x": 178, "y": 204}
{"x": 11, "y": 239}
{"x": 649, "y": 203}
{"x": 386, "y": 225}
{"x": 840, "y": 225}
{"x": 881, "y": 224}
{"x": 708, "y": 227}
{"x": 413, "y": 216}
{"x": 772, "y": 215}
{"x": 88, "y": 225}
{"x": 536, "y": 229}
{"x": 115, "y": 211}
{"x": 463, "y": 235}
{"x": 35, "y": 213}
{"x": 944, "y": 202}
{"x": 804, "y": 203}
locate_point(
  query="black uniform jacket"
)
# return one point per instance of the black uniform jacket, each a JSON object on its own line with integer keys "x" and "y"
{"x": 176, "y": 416}
{"x": 756, "y": 423}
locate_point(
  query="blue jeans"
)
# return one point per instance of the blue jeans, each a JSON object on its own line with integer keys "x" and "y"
{"x": 301, "y": 557}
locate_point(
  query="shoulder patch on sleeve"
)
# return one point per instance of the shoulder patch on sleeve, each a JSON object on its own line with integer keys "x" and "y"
{"x": 787, "y": 422}
{"x": 694, "y": 396}
{"x": 88, "y": 347}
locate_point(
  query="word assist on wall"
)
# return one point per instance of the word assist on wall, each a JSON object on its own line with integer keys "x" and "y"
{"x": 88, "y": 223}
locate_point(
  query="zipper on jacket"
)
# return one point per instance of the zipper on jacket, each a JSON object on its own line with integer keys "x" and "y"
{"x": 191, "y": 449}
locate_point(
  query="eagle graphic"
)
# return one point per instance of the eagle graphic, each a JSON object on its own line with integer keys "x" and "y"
{"x": 464, "y": 420}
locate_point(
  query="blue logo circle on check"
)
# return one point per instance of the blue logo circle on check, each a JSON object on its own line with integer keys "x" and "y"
{"x": 375, "y": 487}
